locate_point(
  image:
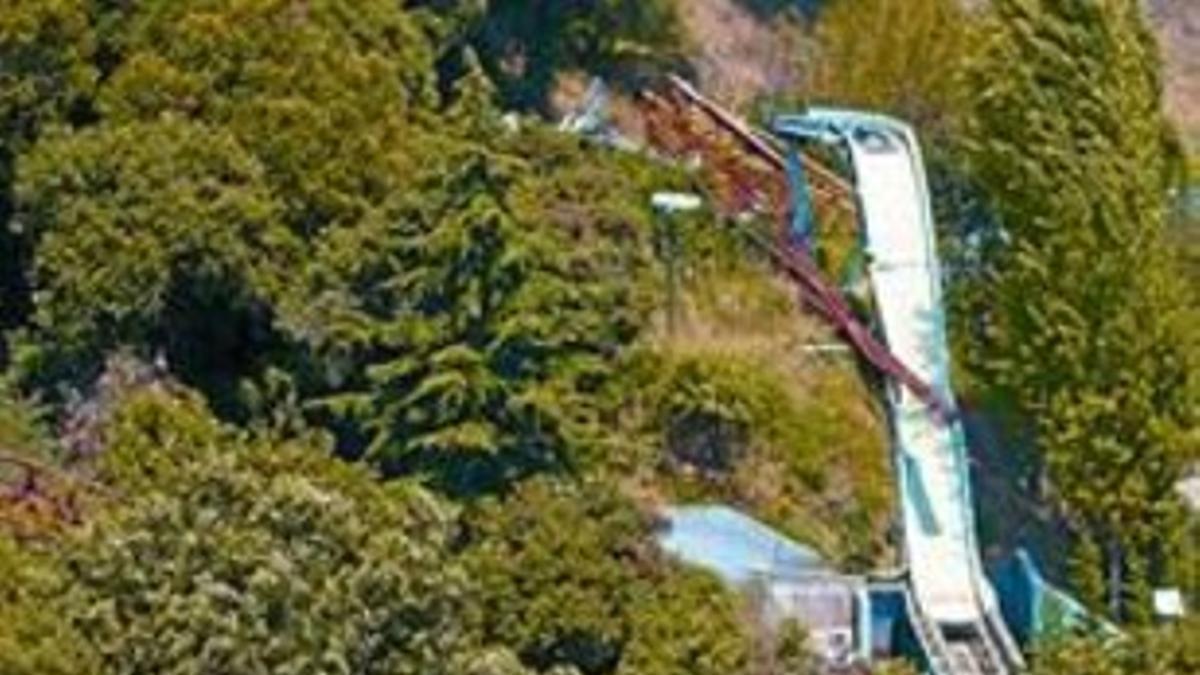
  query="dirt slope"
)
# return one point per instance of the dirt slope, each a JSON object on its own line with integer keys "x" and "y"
{"x": 740, "y": 54}
{"x": 1178, "y": 25}
{"x": 737, "y": 54}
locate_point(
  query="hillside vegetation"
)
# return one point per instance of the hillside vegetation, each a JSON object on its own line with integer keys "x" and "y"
{"x": 323, "y": 351}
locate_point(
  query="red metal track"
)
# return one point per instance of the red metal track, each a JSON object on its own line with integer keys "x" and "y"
{"x": 745, "y": 185}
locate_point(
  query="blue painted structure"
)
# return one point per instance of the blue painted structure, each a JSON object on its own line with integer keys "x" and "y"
{"x": 1035, "y": 610}
{"x": 742, "y": 551}
{"x": 794, "y": 582}
{"x": 956, "y": 614}
{"x": 734, "y": 546}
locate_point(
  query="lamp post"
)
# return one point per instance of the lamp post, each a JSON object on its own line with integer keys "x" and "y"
{"x": 667, "y": 205}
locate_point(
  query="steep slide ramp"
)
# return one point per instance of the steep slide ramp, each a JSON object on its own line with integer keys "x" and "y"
{"x": 954, "y": 603}
{"x": 953, "y": 607}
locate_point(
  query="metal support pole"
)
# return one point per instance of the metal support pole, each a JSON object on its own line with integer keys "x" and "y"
{"x": 667, "y": 205}
{"x": 802, "y": 214}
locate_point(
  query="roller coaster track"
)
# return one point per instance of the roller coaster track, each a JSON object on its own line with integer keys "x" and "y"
{"x": 749, "y": 173}
{"x": 952, "y": 605}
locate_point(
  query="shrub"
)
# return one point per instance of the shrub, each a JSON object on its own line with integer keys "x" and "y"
{"x": 570, "y": 576}
{"x": 243, "y": 556}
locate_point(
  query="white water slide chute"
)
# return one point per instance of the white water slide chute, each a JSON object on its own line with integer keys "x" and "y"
{"x": 955, "y": 610}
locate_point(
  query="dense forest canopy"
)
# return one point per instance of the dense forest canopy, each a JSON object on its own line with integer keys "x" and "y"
{"x": 322, "y": 350}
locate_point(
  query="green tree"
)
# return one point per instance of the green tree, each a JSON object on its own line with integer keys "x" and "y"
{"x": 1168, "y": 650}
{"x": 155, "y": 229}
{"x": 488, "y": 313}
{"x": 558, "y": 571}
{"x": 322, "y": 94}
{"x": 1087, "y": 572}
{"x": 280, "y": 194}
{"x": 35, "y": 637}
{"x": 150, "y": 438}
{"x": 46, "y": 72}
{"x": 688, "y": 624}
{"x": 570, "y": 576}
{"x": 1082, "y": 318}
{"x": 46, "y": 78}
{"x": 282, "y": 122}
{"x": 239, "y": 555}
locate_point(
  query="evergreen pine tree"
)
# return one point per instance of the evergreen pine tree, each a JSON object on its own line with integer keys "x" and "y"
{"x": 488, "y": 315}
{"x": 1084, "y": 322}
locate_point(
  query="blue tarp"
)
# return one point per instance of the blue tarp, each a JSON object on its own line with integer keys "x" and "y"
{"x": 1037, "y": 611}
{"x": 734, "y": 546}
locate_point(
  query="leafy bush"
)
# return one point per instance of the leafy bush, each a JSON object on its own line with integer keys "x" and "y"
{"x": 323, "y": 96}
{"x": 711, "y": 407}
{"x": 265, "y": 201}
{"x": 22, "y": 428}
{"x": 243, "y": 556}
{"x": 488, "y": 313}
{"x": 226, "y": 137}
{"x": 46, "y": 78}
{"x": 689, "y": 624}
{"x": 46, "y": 51}
{"x": 149, "y": 217}
{"x": 570, "y": 576}
{"x": 1168, "y": 650}
{"x": 35, "y": 637}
